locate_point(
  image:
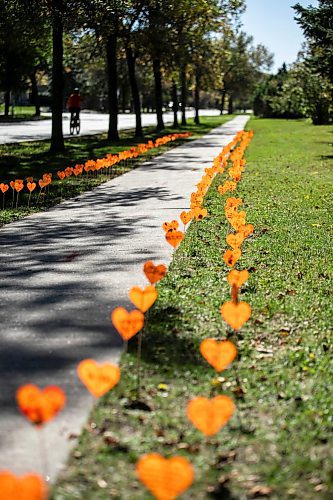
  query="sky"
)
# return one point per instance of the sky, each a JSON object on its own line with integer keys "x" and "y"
{"x": 271, "y": 23}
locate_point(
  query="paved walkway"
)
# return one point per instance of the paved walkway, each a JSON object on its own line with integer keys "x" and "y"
{"x": 55, "y": 311}
{"x": 91, "y": 123}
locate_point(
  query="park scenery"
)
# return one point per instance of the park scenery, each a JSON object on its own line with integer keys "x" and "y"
{"x": 166, "y": 249}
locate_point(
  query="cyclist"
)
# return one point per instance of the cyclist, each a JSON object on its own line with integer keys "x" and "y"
{"x": 74, "y": 104}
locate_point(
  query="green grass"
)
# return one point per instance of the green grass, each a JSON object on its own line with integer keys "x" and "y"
{"x": 281, "y": 435}
{"x": 22, "y": 160}
{"x": 21, "y": 113}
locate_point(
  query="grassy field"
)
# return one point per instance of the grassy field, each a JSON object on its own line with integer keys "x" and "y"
{"x": 21, "y": 113}
{"x": 279, "y": 442}
{"x": 22, "y": 160}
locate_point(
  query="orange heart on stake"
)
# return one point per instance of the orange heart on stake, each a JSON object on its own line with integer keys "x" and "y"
{"x": 127, "y": 323}
{"x": 235, "y": 240}
{"x": 40, "y": 406}
{"x": 12, "y": 184}
{"x": 154, "y": 273}
{"x": 236, "y": 314}
{"x": 246, "y": 229}
{"x": 27, "y": 487}
{"x": 4, "y": 187}
{"x": 174, "y": 238}
{"x": 209, "y": 415}
{"x": 31, "y": 186}
{"x": 98, "y": 379}
{"x": 218, "y": 354}
{"x": 143, "y": 299}
{"x": 237, "y": 278}
{"x": 170, "y": 226}
{"x": 165, "y": 478}
{"x": 186, "y": 217}
{"x": 230, "y": 257}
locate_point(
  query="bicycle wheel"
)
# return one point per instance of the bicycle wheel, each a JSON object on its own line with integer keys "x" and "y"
{"x": 78, "y": 126}
{"x": 71, "y": 126}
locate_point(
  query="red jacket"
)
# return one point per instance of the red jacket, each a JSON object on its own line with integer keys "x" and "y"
{"x": 74, "y": 101}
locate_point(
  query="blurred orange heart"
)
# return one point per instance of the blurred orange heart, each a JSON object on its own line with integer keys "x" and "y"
{"x": 186, "y": 217}
{"x": 230, "y": 257}
{"x": 246, "y": 229}
{"x": 238, "y": 278}
{"x": 61, "y": 175}
{"x": 209, "y": 415}
{"x": 41, "y": 183}
{"x": 218, "y": 354}
{"x": 174, "y": 238}
{"x": 98, "y": 379}
{"x": 127, "y": 323}
{"x": 235, "y": 240}
{"x": 154, "y": 273}
{"x": 165, "y": 478}
{"x": 200, "y": 213}
{"x": 27, "y": 487}
{"x": 4, "y": 187}
{"x": 236, "y": 314}
{"x": 143, "y": 299}
{"x": 170, "y": 226}
{"x": 40, "y": 406}
{"x": 31, "y": 186}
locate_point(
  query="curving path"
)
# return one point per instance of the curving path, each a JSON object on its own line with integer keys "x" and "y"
{"x": 62, "y": 273}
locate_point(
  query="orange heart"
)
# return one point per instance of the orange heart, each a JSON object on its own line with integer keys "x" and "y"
{"x": 218, "y": 354}
{"x": 12, "y": 184}
{"x": 31, "y": 186}
{"x": 98, "y": 379}
{"x": 230, "y": 257}
{"x": 209, "y": 415}
{"x": 61, "y": 175}
{"x": 29, "y": 179}
{"x": 127, "y": 323}
{"x": 236, "y": 314}
{"x": 174, "y": 238}
{"x": 18, "y": 185}
{"x": 154, "y": 273}
{"x": 27, "y": 487}
{"x": 200, "y": 213}
{"x": 170, "y": 226}
{"x": 143, "y": 299}
{"x": 185, "y": 217}
{"x": 165, "y": 478}
{"x": 235, "y": 240}
{"x": 246, "y": 229}
{"x": 238, "y": 278}
{"x": 237, "y": 221}
{"x": 41, "y": 183}
{"x": 40, "y": 406}
{"x": 4, "y": 187}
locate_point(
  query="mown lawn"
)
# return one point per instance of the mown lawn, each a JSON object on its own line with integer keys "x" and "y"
{"x": 279, "y": 441}
{"x": 22, "y": 160}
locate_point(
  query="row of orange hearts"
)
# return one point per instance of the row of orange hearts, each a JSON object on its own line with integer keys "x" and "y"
{"x": 93, "y": 165}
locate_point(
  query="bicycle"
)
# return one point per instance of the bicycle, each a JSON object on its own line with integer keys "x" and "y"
{"x": 75, "y": 124}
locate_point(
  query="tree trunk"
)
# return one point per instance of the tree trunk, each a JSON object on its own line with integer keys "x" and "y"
{"x": 7, "y": 102}
{"x": 111, "y": 56}
{"x": 184, "y": 93}
{"x": 34, "y": 93}
{"x": 158, "y": 93}
{"x": 223, "y": 101}
{"x": 197, "y": 97}
{"x": 57, "y": 138}
{"x": 230, "y": 105}
{"x": 135, "y": 91}
{"x": 175, "y": 104}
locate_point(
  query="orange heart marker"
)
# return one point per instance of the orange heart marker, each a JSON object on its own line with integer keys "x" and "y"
{"x": 246, "y": 229}
{"x": 127, "y": 323}
{"x": 31, "y": 186}
{"x": 27, "y": 487}
{"x": 143, "y": 299}
{"x": 174, "y": 238}
{"x": 165, "y": 478}
{"x": 40, "y": 406}
{"x": 230, "y": 257}
{"x": 209, "y": 415}
{"x": 186, "y": 217}
{"x": 218, "y": 354}
{"x": 98, "y": 379}
{"x": 170, "y": 226}
{"x": 235, "y": 240}
{"x": 154, "y": 273}
{"x": 236, "y": 314}
{"x": 4, "y": 187}
{"x": 237, "y": 278}
{"x": 200, "y": 213}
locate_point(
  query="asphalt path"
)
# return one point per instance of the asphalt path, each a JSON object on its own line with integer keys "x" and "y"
{"x": 91, "y": 123}
{"x": 62, "y": 272}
